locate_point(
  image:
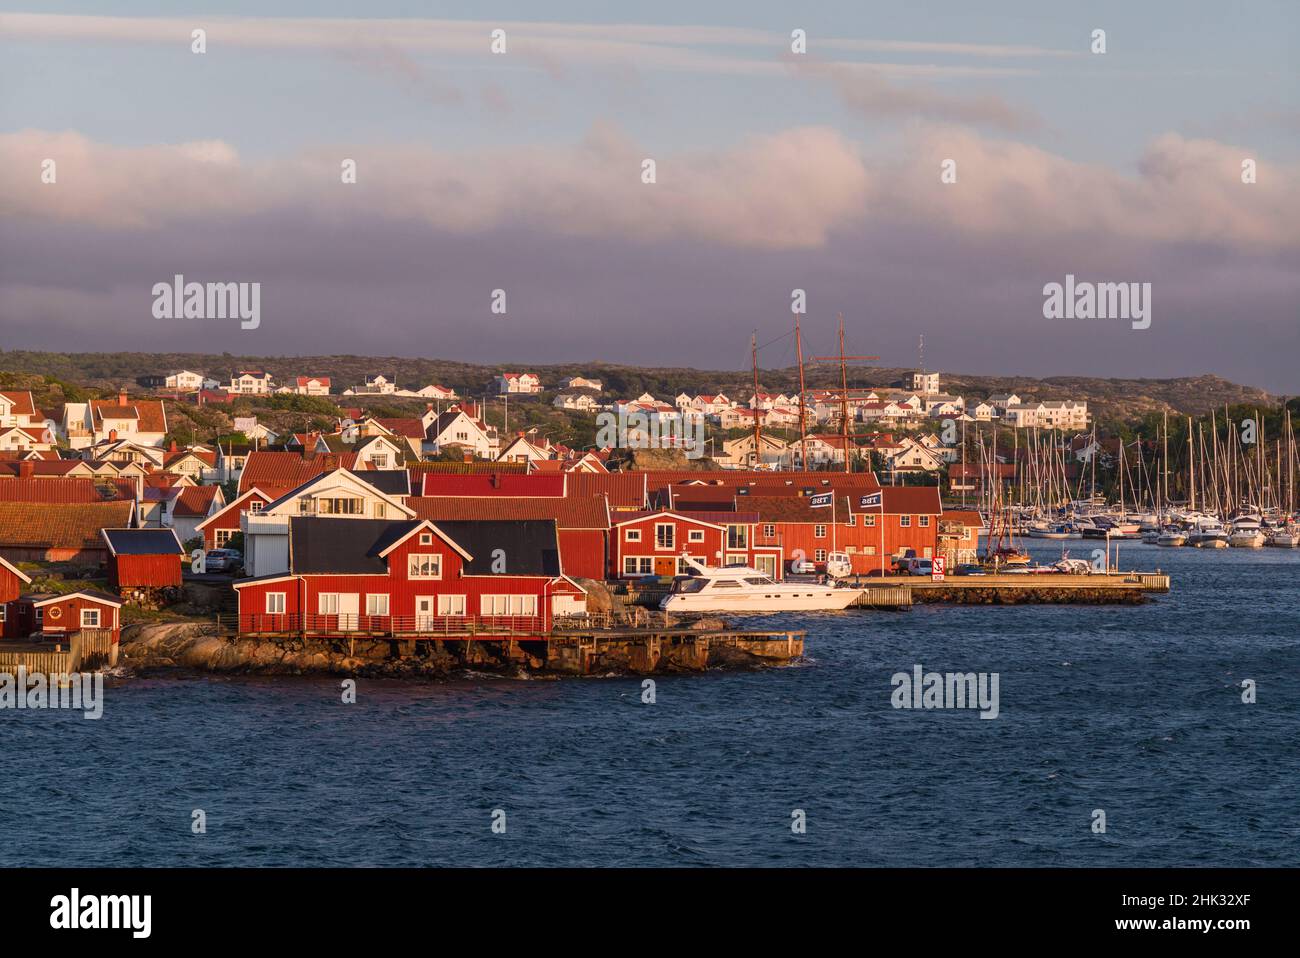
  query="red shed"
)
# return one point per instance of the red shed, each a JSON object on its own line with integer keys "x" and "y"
{"x": 143, "y": 558}
{"x": 12, "y": 579}
{"x": 53, "y": 615}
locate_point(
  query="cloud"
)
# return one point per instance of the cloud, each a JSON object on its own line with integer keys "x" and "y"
{"x": 790, "y": 189}
{"x": 553, "y": 47}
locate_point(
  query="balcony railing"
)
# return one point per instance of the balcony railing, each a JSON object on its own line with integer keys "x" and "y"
{"x": 312, "y": 623}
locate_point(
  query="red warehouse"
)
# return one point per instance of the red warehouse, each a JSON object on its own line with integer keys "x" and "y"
{"x": 652, "y": 543}
{"x": 411, "y": 577}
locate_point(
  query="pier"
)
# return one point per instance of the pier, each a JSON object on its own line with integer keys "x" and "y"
{"x": 87, "y": 650}
{"x": 1116, "y": 588}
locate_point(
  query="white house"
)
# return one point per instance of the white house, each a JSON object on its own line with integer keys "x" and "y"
{"x": 923, "y": 382}
{"x": 251, "y": 382}
{"x": 185, "y": 380}
{"x": 311, "y": 385}
{"x": 442, "y": 393}
{"x": 579, "y": 382}
{"x": 142, "y": 422}
{"x": 518, "y": 383}
{"x": 580, "y": 402}
{"x": 338, "y": 494}
{"x": 457, "y": 429}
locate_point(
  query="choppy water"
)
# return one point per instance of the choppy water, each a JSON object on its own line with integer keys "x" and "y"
{"x": 1136, "y": 711}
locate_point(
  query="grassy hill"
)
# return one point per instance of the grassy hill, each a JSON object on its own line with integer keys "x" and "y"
{"x": 67, "y": 376}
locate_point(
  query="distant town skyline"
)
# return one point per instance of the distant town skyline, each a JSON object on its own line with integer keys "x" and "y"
{"x": 776, "y": 168}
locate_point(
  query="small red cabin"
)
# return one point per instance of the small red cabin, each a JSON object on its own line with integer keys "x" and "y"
{"x": 54, "y": 615}
{"x": 143, "y": 558}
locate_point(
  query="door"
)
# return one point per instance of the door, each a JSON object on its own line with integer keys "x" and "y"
{"x": 666, "y": 565}
{"x": 424, "y": 611}
{"x": 349, "y": 606}
{"x": 766, "y": 564}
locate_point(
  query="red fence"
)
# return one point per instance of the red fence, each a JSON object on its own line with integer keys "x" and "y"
{"x": 416, "y": 625}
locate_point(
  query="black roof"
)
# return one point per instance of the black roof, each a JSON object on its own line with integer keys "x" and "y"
{"x": 143, "y": 542}
{"x": 322, "y": 545}
{"x": 529, "y": 546}
{"x": 391, "y": 482}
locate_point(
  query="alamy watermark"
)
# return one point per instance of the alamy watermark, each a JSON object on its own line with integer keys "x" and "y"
{"x": 637, "y": 430}
{"x": 78, "y": 691}
{"x": 919, "y": 689}
{"x": 1072, "y": 300}
{"x": 181, "y": 300}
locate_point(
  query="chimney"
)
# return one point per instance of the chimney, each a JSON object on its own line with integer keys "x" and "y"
{"x": 121, "y": 398}
{"x": 25, "y": 469}
{"x": 496, "y": 480}
{"x": 172, "y": 447}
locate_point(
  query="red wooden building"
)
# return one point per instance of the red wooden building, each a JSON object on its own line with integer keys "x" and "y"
{"x": 12, "y": 580}
{"x": 217, "y": 528}
{"x": 411, "y": 577}
{"x": 55, "y": 615}
{"x": 652, "y": 543}
{"x": 143, "y": 558}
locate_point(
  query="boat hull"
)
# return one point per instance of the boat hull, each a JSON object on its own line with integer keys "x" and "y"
{"x": 814, "y": 600}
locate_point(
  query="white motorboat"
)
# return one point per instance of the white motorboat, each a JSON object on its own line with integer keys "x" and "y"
{"x": 1050, "y": 530}
{"x": 1208, "y": 534}
{"x": 1171, "y": 537}
{"x": 1247, "y": 534}
{"x": 741, "y": 589}
{"x": 1286, "y": 538}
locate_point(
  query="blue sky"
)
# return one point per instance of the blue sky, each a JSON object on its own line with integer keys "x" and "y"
{"x": 775, "y": 172}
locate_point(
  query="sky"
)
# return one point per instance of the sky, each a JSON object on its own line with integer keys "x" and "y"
{"x": 819, "y": 169}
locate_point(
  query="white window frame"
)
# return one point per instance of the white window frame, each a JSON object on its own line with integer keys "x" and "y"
{"x": 417, "y": 559}
{"x": 323, "y": 603}
{"x": 91, "y": 625}
{"x": 695, "y": 535}
{"x": 924, "y": 521}
{"x": 631, "y": 535}
{"x": 672, "y": 536}
{"x": 905, "y": 522}
{"x": 373, "y": 604}
{"x": 274, "y": 599}
{"x": 819, "y": 531}
{"x": 452, "y": 604}
{"x": 769, "y": 531}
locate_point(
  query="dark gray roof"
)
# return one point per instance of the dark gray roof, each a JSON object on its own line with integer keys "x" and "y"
{"x": 391, "y": 482}
{"x": 529, "y": 546}
{"x": 321, "y": 546}
{"x": 143, "y": 542}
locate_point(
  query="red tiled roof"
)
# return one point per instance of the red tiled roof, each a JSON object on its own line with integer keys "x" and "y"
{"x": 148, "y": 412}
{"x": 22, "y": 403}
{"x": 524, "y": 486}
{"x": 195, "y": 501}
{"x": 276, "y": 473}
{"x": 60, "y": 490}
{"x": 573, "y": 512}
{"x": 410, "y": 428}
{"x": 40, "y": 467}
{"x": 702, "y": 515}
{"x": 304, "y": 380}
{"x": 473, "y": 467}
{"x": 625, "y": 490}
{"x": 60, "y": 525}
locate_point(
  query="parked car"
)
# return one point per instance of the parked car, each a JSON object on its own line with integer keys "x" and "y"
{"x": 917, "y": 566}
{"x": 223, "y": 560}
{"x": 969, "y": 568}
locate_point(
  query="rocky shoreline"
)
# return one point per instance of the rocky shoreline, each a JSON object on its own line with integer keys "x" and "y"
{"x": 197, "y": 646}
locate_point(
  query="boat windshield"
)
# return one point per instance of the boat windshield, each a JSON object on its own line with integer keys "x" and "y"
{"x": 684, "y": 586}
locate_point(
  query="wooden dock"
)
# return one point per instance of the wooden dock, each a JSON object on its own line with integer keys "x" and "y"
{"x": 1017, "y": 589}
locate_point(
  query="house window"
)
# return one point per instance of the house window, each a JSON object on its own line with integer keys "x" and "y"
{"x": 769, "y": 531}
{"x": 868, "y": 521}
{"x": 904, "y": 521}
{"x": 424, "y": 566}
{"x": 327, "y": 603}
{"x": 379, "y": 461}
{"x": 451, "y": 605}
{"x": 90, "y": 618}
{"x": 695, "y": 535}
{"x": 377, "y": 603}
{"x": 819, "y": 531}
{"x": 381, "y": 510}
{"x": 925, "y": 521}
{"x": 509, "y": 605}
{"x": 255, "y": 506}
{"x": 665, "y": 535}
{"x": 304, "y": 505}
{"x": 638, "y": 565}
{"x": 222, "y": 536}
{"x": 275, "y": 602}
{"x": 632, "y": 535}
{"x": 819, "y": 555}
{"x": 426, "y": 538}
{"x": 737, "y": 537}
{"x": 3, "y": 613}
{"x": 340, "y": 507}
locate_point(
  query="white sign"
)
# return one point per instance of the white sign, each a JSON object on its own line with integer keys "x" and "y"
{"x": 937, "y": 568}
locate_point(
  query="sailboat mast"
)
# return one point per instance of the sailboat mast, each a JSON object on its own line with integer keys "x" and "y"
{"x": 803, "y": 398}
{"x": 758, "y": 428}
